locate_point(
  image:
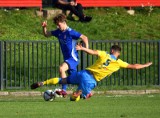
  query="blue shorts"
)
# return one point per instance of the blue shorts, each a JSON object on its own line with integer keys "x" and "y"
{"x": 85, "y": 81}
{"x": 72, "y": 65}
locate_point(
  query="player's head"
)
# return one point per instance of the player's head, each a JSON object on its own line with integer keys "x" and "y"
{"x": 60, "y": 21}
{"x": 115, "y": 50}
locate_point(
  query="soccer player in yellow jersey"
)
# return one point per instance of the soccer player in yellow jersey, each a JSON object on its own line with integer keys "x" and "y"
{"x": 105, "y": 65}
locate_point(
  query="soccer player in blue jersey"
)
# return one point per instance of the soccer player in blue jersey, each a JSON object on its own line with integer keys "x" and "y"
{"x": 67, "y": 38}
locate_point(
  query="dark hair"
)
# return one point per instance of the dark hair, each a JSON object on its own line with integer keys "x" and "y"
{"x": 116, "y": 48}
{"x": 59, "y": 18}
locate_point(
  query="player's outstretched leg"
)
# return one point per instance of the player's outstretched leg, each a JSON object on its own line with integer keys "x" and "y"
{"x": 36, "y": 85}
{"x": 50, "y": 81}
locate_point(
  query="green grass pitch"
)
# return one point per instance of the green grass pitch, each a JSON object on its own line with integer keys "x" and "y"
{"x": 99, "y": 106}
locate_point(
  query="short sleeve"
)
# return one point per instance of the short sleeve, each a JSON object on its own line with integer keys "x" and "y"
{"x": 55, "y": 33}
{"x": 123, "y": 64}
{"x": 101, "y": 54}
{"x": 74, "y": 34}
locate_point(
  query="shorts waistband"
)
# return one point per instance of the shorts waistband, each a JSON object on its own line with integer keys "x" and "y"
{"x": 89, "y": 72}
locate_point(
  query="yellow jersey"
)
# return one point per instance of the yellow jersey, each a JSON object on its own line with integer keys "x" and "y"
{"x": 105, "y": 66}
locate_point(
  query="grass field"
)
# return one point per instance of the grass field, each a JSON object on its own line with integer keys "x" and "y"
{"x": 99, "y": 106}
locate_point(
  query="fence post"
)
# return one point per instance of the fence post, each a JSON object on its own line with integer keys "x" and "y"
{"x": 83, "y": 59}
{"x": 1, "y": 65}
{"x": 158, "y": 62}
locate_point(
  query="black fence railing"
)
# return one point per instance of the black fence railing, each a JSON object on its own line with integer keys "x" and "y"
{"x": 25, "y": 62}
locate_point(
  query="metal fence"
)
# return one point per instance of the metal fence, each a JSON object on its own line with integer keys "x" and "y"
{"x": 25, "y": 62}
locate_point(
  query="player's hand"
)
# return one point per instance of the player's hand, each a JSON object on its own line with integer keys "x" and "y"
{"x": 75, "y": 4}
{"x": 72, "y": 3}
{"x": 44, "y": 24}
{"x": 149, "y": 64}
{"x": 79, "y": 46}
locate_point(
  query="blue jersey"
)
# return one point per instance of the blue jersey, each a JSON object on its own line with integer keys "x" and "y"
{"x": 68, "y": 40}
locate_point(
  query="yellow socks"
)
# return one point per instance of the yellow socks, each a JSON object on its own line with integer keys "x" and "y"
{"x": 51, "y": 81}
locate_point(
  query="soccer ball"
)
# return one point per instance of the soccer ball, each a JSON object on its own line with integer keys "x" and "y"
{"x": 49, "y": 95}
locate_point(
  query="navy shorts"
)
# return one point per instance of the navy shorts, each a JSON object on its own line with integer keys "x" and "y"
{"x": 72, "y": 65}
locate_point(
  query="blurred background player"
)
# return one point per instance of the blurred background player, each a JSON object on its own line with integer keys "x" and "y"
{"x": 68, "y": 39}
{"x": 73, "y": 7}
{"x": 105, "y": 65}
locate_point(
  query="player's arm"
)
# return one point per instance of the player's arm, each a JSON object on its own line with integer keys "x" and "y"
{"x": 85, "y": 40}
{"x": 66, "y": 3}
{"x": 87, "y": 50}
{"x": 44, "y": 28}
{"x": 139, "y": 66}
